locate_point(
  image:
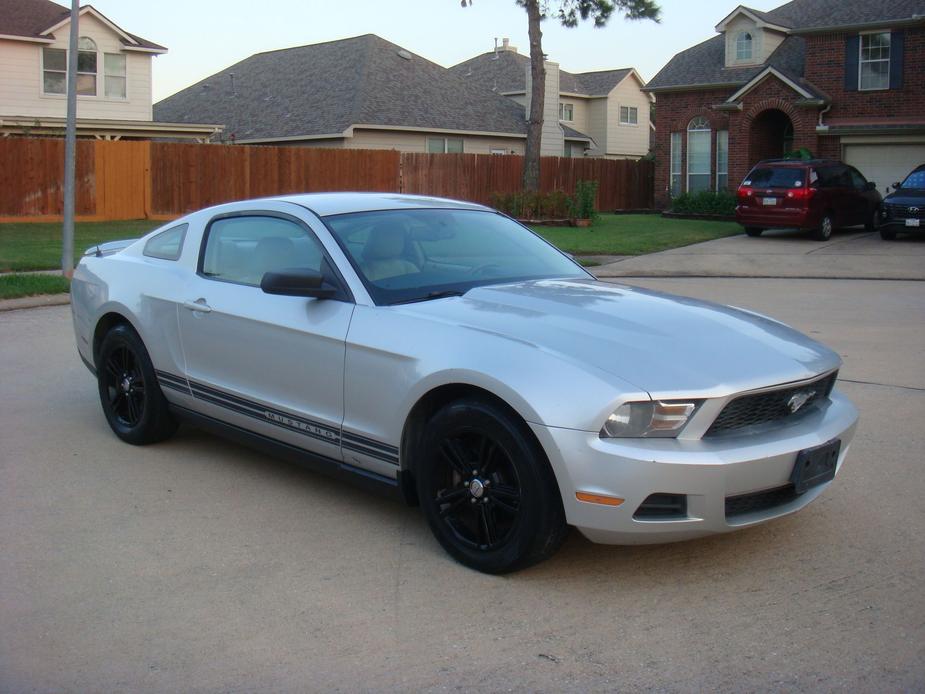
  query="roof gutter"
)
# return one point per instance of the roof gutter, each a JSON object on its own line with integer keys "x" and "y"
{"x": 882, "y": 24}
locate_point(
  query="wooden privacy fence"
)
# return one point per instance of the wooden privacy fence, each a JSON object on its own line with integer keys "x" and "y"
{"x": 136, "y": 180}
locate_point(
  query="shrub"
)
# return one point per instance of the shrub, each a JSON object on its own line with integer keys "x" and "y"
{"x": 705, "y": 202}
{"x": 583, "y": 203}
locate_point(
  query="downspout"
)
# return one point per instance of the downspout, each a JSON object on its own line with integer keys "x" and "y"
{"x": 821, "y": 125}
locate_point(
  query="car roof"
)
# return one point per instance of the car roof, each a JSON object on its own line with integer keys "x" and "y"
{"x": 327, "y": 204}
{"x": 795, "y": 163}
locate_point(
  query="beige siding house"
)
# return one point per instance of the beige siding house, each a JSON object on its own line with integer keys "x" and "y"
{"x": 609, "y": 106}
{"x": 113, "y": 80}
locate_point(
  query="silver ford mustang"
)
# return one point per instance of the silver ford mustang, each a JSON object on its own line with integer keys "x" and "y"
{"x": 441, "y": 351}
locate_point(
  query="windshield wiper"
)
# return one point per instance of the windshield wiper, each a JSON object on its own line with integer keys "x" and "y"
{"x": 430, "y": 295}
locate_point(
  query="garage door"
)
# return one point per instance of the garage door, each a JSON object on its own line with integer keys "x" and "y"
{"x": 885, "y": 164}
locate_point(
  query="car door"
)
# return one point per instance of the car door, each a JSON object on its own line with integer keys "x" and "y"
{"x": 267, "y": 363}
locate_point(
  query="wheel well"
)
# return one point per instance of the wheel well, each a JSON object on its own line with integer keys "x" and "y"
{"x": 103, "y": 326}
{"x": 425, "y": 408}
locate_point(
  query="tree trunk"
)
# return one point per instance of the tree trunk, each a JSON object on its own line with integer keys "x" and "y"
{"x": 531, "y": 178}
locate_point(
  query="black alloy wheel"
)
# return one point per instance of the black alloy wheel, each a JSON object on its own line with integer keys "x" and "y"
{"x": 487, "y": 489}
{"x": 132, "y": 401}
{"x": 125, "y": 387}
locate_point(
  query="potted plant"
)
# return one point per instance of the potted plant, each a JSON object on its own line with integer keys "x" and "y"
{"x": 583, "y": 211}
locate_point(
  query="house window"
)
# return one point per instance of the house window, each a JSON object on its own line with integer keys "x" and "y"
{"x": 444, "y": 145}
{"x": 114, "y": 75}
{"x": 874, "y": 64}
{"x": 675, "y": 185}
{"x": 722, "y": 160}
{"x": 744, "y": 45}
{"x": 86, "y": 67}
{"x": 497, "y": 151}
{"x": 629, "y": 115}
{"x": 698, "y": 155}
{"x": 566, "y": 112}
{"x": 54, "y": 70}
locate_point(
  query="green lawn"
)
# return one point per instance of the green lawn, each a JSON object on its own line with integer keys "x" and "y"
{"x": 37, "y": 246}
{"x": 14, "y": 286}
{"x": 635, "y": 234}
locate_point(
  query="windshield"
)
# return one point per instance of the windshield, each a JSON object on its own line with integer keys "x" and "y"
{"x": 915, "y": 180}
{"x": 413, "y": 255}
{"x": 775, "y": 177}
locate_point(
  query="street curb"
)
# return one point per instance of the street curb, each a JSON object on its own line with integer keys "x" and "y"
{"x": 34, "y": 302}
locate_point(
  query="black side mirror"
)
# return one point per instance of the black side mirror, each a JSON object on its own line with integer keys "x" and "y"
{"x": 870, "y": 185}
{"x": 298, "y": 282}
{"x": 897, "y": 185}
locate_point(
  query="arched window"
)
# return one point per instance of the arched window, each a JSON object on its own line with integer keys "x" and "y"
{"x": 744, "y": 46}
{"x": 698, "y": 155}
{"x": 86, "y": 66}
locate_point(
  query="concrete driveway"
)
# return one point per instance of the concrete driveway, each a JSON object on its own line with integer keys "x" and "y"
{"x": 199, "y": 566}
{"x": 783, "y": 253}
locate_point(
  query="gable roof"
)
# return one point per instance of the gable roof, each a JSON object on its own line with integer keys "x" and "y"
{"x": 325, "y": 88}
{"x": 34, "y": 20}
{"x": 506, "y": 73}
{"x": 703, "y": 65}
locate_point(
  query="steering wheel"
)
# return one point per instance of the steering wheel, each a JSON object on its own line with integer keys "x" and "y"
{"x": 479, "y": 269}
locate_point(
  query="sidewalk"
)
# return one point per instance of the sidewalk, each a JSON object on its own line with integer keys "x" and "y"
{"x": 783, "y": 254}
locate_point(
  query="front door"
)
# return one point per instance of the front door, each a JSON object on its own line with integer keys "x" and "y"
{"x": 270, "y": 364}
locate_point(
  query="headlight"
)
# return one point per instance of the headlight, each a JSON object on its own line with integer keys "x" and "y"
{"x": 649, "y": 419}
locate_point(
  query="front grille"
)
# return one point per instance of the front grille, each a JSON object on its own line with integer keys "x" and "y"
{"x": 662, "y": 507}
{"x": 759, "y": 501}
{"x": 901, "y": 212}
{"x": 770, "y": 406}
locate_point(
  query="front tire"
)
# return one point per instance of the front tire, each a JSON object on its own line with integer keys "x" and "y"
{"x": 487, "y": 490}
{"x": 753, "y": 231}
{"x": 131, "y": 398}
{"x": 826, "y": 225}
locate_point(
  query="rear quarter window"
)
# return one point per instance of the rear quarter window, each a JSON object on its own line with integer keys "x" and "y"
{"x": 167, "y": 245}
{"x": 776, "y": 177}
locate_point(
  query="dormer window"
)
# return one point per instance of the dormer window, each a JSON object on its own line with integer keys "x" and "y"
{"x": 744, "y": 45}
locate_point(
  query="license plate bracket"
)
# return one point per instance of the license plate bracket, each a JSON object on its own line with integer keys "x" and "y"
{"x": 912, "y": 222}
{"x": 815, "y": 466}
{"x": 768, "y": 201}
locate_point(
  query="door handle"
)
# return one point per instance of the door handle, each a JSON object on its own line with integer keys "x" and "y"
{"x": 199, "y": 305}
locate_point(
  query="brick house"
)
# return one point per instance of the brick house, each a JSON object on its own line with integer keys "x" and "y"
{"x": 845, "y": 80}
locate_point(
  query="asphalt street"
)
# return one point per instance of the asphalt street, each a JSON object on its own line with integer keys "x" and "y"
{"x": 196, "y": 565}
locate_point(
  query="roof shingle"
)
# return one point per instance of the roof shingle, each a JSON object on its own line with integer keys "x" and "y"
{"x": 324, "y": 88}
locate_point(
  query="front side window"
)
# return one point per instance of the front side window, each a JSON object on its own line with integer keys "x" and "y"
{"x": 698, "y": 155}
{"x": 243, "y": 249}
{"x": 744, "y": 45}
{"x": 168, "y": 245}
{"x": 86, "y": 67}
{"x": 114, "y": 75}
{"x": 566, "y": 112}
{"x": 675, "y": 184}
{"x": 54, "y": 70}
{"x": 629, "y": 115}
{"x": 874, "y": 64}
{"x": 444, "y": 145}
{"x": 722, "y": 160}
{"x": 412, "y": 255}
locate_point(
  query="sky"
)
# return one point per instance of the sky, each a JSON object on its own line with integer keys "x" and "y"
{"x": 205, "y": 36}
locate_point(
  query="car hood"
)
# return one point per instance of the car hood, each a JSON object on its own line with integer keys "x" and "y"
{"x": 906, "y": 196}
{"x": 660, "y": 343}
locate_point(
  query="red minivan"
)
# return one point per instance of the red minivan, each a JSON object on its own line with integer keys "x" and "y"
{"x": 816, "y": 195}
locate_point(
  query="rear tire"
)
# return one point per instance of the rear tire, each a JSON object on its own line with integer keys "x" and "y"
{"x": 753, "y": 231}
{"x": 871, "y": 223}
{"x": 826, "y": 225}
{"x": 131, "y": 398}
{"x": 887, "y": 235}
{"x": 487, "y": 490}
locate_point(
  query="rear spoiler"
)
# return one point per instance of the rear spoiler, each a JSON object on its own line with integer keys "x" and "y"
{"x": 108, "y": 248}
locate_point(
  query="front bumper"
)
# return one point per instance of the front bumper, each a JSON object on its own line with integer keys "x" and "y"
{"x": 899, "y": 226}
{"x": 707, "y": 471}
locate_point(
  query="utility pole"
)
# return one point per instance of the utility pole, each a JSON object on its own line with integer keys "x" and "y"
{"x": 70, "y": 148}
